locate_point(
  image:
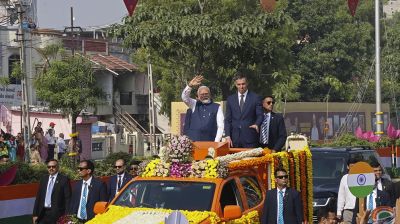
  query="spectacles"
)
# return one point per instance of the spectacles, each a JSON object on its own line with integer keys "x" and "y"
{"x": 281, "y": 177}
{"x": 82, "y": 168}
{"x": 134, "y": 168}
{"x": 270, "y": 102}
{"x": 117, "y": 167}
{"x": 48, "y": 167}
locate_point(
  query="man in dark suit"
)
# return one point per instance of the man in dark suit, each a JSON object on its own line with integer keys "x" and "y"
{"x": 272, "y": 130}
{"x": 382, "y": 183}
{"x": 117, "y": 182}
{"x": 243, "y": 116}
{"x": 53, "y": 196}
{"x": 87, "y": 192}
{"x": 282, "y": 205}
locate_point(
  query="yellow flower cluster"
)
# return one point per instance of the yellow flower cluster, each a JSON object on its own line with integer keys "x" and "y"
{"x": 72, "y": 154}
{"x": 116, "y": 213}
{"x": 309, "y": 183}
{"x": 150, "y": 169}
{"x": 297, "y": 167}
{"x": 249, "y": 218}
{"x": 211, "y": 170}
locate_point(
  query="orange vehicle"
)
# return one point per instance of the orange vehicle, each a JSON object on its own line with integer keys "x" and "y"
{"x": 235, "y": 197}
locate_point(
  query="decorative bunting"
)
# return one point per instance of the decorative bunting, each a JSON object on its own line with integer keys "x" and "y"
{"x": 352, "y": 6}
{"x": 268, "y": 5}
{"x": 130, "y": 6}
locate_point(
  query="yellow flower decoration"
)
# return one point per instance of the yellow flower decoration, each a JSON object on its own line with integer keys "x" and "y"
{"x": 250, "y": 218}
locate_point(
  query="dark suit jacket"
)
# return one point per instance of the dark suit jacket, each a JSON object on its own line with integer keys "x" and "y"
{"x": 292, "y": 207}
{"x": 97, "y": 192}
{"x": 277, "y": 132}
{"x": 237, "y": 122}
{"x": 382, "y": 199}
{"x": 112, "y": 185}
{"x": 60, "y": 197}
{"x": 388, "y": 187}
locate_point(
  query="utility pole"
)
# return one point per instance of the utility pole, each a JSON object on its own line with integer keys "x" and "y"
{"x": 379, "y": 112}
{"x": 152, "y": 127}
{"x": 26, "y": 127}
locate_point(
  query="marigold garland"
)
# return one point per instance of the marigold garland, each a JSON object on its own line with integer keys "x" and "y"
{"x": 303, "y": 186}
{"x": 309, "y": 184}
{"x": 150, "y": 169}
{"x": 250, "y": 218}
{"x": 116, "y": 213}
{"x": 291, "y": 170}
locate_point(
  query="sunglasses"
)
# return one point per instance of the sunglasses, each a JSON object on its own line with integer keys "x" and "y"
{"x": 48, "y": 167}
{"x": 82, "y": 168}
{"x": 134, "y": 168}
{"x": 281, "y": 177}
{"x": 270, "y": 102}
{"x": 117, "y": 167}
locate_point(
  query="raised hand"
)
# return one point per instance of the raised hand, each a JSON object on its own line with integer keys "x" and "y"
{"x": 196, "y": 81}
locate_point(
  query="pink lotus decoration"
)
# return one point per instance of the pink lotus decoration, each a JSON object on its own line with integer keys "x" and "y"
{"x": 369, "y": 135}
{"x": 392, "y": 132}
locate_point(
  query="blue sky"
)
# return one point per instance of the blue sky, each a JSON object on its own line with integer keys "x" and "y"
{"x": 87, "y": 13}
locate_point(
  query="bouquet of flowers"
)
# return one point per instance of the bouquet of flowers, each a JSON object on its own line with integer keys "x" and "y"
{"x": 199, "y": 168}
{"x": 179, "y": 149}
{"x": 180, "y": 169}
{"x": 162, "y": 169}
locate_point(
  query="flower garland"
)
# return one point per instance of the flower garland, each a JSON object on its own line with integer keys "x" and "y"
{"x": 309, "y": 183}
{"x": 250, "y": 162}
{"x": 240, "y": 155}
{"x": 162, "y": 169}
{"x": 283, "y": 157}
{"x": 250, "y": 218}
{"x": 272, "y": 168}
{"x": 292, "y": 178}
{"x": 295, "y": 154}
{"x": 303, "y": 178}
{"x": 116, "y": 213}
{"x": 211, "y": 170}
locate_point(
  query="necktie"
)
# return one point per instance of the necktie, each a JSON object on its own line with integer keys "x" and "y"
{"x": 265, "y": 130}
{"x": 241, "y": 103}
{"x": 83, "y": 202}
{"x": 48, "y": 193}
{"x": 119, "y": 183}
{"x": 280, "y": 208}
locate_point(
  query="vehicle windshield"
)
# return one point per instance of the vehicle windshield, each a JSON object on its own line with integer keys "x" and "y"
{"x": 176, "y": 195}
{"x": 328, "y": 167}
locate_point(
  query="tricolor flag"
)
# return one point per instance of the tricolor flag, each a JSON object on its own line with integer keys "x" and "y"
{"x": 360, "y": 180}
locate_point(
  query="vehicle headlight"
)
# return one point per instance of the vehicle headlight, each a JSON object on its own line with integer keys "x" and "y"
{"x": 319, "y": 202}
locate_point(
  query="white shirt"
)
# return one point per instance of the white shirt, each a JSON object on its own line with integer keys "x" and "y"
{"x": 244, "y": 97}
{"x": 51, "y": 140}
{"x": 122, "y": 180}
{"x": 277, "y": 205}
{"x": 48, "y": 184}
{"x": 379, "y": 184}
{"x": 346, "y": 200}
{"x": 87, "y": 194}
{"x": 61, "y": 145}
{"x": 191, "y": 103}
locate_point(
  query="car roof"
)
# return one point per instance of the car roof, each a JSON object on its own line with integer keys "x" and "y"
{"x": 342, "y": 149}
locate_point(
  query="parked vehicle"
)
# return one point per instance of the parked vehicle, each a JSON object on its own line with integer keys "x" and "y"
{"x": 329, "y": 165}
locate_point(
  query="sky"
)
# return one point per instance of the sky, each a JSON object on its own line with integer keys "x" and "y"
{"x": 88, "y": 13}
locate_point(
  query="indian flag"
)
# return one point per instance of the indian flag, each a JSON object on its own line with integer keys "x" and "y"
{"x": 361, "y": 180}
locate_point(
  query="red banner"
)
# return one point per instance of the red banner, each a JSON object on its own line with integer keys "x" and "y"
{"x": 352, "y": 6}
{"x": 130, "y": 6}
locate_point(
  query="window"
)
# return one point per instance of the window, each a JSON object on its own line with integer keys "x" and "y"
{"x": 252, "y": 190}
{"x": 13, "y": 60}
{"x": 126, "y": 98}
{"x": 230, "y": 195}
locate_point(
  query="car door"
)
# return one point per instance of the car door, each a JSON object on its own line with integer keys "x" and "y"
{"x": 253, "y": 193}
{"x": 229, "y": 195}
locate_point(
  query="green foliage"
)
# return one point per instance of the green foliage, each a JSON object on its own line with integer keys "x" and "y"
{"x": 69, "y": 85}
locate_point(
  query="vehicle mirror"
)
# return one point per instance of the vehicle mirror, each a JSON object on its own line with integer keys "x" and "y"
{"x": 100, "y": 207}
{"x": 232, "y": 212}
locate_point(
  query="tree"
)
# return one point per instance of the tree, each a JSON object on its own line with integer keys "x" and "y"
{"x": 182, "y": 38}
{"x": 68, "y": 85}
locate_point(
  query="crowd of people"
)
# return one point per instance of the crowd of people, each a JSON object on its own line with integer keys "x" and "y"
{"x": 56, "y": 198}
{"x": 249, "y": 120}
{"x": 43, "y": 146}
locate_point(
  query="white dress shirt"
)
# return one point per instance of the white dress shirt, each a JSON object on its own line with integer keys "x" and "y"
{"x": 277, "y": 205}
{"x": 87, "y": 195}
{"x": 61, "y": 145}
{"x": 346, "y": 200}
{"x": 244, "y": 97}
{"x": 122, "y": 180}
{"x": 191, "y": 103}
{"x": 48, "y": 183}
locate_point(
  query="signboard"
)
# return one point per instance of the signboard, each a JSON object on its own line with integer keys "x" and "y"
{"x": 361, "y": 179}
{"x": 11, "y": 95}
